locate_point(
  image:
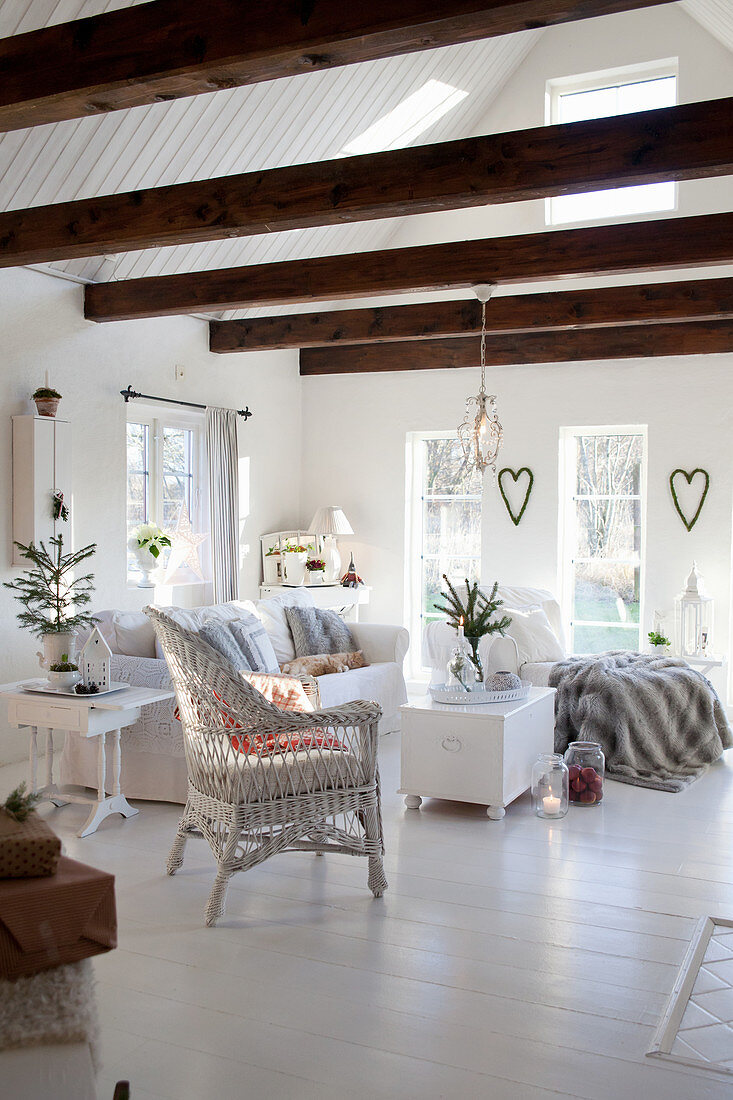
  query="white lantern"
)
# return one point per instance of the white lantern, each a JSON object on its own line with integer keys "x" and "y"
{"x": 95, "y": 662}
{"x": 694, "y": 618}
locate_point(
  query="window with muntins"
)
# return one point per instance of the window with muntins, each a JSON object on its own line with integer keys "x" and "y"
{"x": 600, "y": 97}
{"x": 603, "y": 502}
{"x": 444, "y": 527}
{"x": 164, "y": 470}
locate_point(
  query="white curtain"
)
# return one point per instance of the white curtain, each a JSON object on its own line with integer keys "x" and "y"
{"x": 223, "y": 456}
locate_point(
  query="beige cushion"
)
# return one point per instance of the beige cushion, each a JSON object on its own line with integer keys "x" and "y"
{"x": 279, "y": 776}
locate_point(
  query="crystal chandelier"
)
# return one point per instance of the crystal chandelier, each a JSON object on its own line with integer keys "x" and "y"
{"x": 480, "y": 433}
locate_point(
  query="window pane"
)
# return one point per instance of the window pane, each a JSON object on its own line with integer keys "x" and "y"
{"x": 433, "y": 584}
{"x": 176, "y": 489}
{"x": 608, "y": 464}
{"x": 597, "y": 639}
{"x": 452, "y": 527}
{"x": 137, "y": 447}
{"x": 646, "y": 95}
{"x": 608, "y": 528}
{"x": 606, "y": 593}
{"x": 177, "y": 450}
{"x": 595, "y": 103}
{"x": 136, "y": 500}
{"x": 445, "y": 471}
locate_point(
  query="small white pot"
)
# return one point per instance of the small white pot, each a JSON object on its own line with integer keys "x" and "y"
{"x": 57, "y": 648}
{"x": 660, "y": 650}
{"x": 315, "y": 576}
{"x": 146, "y": 562}
{"x": 64, "y": 679}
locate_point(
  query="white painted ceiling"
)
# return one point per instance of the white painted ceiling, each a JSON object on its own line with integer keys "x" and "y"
{"x": 264, "y": 126}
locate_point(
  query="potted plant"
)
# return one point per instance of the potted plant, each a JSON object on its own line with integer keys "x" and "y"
{"x": 271, "y": 568}
{"x": 473, "y": 619}
{"x": 53, "y": 598}
{"x": 659, "y": 643}
{"x": 295, "y": 555}
{"x": 47, "y": 400}
{"x": 146, "y": 542}
{"x": 63, "y": 674}
{"x": 316, "y": 570}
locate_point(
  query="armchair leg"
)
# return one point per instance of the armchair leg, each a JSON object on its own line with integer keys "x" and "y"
{"x": 377, "y": 882}
{"x": 218, "y": 897}
{"x": 175, "y": 857}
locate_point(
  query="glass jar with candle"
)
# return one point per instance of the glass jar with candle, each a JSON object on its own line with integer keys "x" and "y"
{"x": 586, "y": 767}
{"x": 550, "y": 786}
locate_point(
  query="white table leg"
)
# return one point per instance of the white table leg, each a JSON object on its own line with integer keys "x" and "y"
{"x": 413, "y": 801}
{"x": 495, "y": 812}
{"x": 116, "y": 803}
{"x": 33, "y": 761}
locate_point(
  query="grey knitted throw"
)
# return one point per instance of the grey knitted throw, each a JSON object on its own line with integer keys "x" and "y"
{"x": 659, "y": 722}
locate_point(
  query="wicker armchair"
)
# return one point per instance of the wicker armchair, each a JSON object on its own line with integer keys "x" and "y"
{"x": 262, "y": 780}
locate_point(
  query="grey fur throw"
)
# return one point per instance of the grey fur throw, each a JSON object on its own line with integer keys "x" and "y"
{"x": 659, "y": 722}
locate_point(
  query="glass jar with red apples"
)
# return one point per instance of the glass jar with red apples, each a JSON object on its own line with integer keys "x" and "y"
{"x": 586, "y": 768}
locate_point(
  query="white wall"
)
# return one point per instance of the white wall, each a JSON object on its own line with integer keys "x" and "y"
{"x": 686, "y": 403}
{"x": 42, "y": 327}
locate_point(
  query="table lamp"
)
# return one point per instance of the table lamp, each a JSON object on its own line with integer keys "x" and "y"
{"x": 329, "y": 523}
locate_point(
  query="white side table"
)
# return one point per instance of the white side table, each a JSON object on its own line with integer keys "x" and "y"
{"x": 480, "y": 754}
{"x": 89, "y": 716}
{"x": 332, "y": 597}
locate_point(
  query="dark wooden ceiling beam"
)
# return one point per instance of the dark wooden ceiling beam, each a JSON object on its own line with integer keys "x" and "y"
{"x": 601, "y": 250}
{"x": 673, "y": 143}
{"x": 631, "y": 342}
{"x": 169, "y": 49}
{"x": 652, "y": 303}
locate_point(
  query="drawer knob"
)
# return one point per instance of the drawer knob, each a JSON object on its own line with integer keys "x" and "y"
{"x": 451, "y": 744}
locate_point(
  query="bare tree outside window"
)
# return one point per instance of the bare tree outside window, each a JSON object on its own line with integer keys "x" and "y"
{"x": 604, "y": 540}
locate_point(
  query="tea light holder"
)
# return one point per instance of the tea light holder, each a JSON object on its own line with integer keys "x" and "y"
{"x": 550, "y": 786}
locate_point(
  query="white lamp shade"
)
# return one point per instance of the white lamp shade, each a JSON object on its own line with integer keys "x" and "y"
{"x": 330, "y": 521}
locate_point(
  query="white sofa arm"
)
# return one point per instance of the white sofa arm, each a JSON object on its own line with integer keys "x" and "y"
{"x": 380, "y": 642}
{"x": 502, "y": 656}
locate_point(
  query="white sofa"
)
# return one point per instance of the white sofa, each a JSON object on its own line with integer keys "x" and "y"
{"x": 153, "y": 762}
{"x": 530, "y": 654}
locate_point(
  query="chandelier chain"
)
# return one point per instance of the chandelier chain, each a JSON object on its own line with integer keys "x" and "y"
{"x": 483, "y": 347}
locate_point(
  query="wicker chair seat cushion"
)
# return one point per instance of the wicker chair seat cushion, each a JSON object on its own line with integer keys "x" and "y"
{"x": 286, "y": 774}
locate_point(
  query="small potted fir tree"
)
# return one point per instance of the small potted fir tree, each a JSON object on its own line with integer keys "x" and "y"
{"x": 53, "y": 599}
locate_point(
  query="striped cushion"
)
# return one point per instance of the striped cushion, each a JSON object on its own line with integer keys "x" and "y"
{"x": 252, "y": 639}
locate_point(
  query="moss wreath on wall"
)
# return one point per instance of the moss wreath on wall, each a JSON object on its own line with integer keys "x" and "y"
{"x": 516, "y": 519}
{"x": 689, "y": 523}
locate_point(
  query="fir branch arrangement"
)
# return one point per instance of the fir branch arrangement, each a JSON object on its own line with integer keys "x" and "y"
{"x": 477, "y": 615}
{"x": 18, "y": 804}
{"x": 51, "y": 596}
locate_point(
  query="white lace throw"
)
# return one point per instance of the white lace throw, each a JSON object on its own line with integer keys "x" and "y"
{"x": 223, "y": 456}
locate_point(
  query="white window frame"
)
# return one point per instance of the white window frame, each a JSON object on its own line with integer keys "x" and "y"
{"x": 157, "y": 420}
{"x": 414, "y": 476}
{"x": 566, "y": 533}
{"x": 610, "y": 78}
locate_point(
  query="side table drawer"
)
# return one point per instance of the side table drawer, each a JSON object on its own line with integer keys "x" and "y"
{"x": 44, "y": 715}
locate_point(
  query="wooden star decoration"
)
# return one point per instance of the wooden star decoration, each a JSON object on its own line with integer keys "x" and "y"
{"x": 184, "y": 546}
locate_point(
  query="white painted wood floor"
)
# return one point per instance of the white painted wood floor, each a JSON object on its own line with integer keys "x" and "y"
{"x": 512, "y": 959}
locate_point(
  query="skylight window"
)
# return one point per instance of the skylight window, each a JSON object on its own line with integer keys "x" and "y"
{"x": 408, "y": 119}
{"x": 601, "y": 100}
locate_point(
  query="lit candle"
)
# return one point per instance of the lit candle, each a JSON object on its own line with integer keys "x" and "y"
{"x": 47, "y": 382}
{"x": 460, "y": 627}
{"x": 551, "y": 805}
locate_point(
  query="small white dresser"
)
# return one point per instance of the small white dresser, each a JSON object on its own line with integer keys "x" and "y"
{"x": 331, "y": 597}
{"x": 481, "y": 754}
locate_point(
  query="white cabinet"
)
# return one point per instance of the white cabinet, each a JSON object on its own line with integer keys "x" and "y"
{"x": 41, "y": 464}
{"x": 331, "y": 597}
{"x": 480, "y": 754}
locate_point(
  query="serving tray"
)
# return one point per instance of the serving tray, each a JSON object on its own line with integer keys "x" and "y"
{"x": 443, "y": 694}
{"x": 43, "y": 687}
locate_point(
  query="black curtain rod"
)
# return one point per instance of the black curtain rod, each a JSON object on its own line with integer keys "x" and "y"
{"x": 129, "y": 394}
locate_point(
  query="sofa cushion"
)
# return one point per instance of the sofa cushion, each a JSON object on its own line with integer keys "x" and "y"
{"x": 317, "y": 631}
{"x": 254, "y": 643}
{"x": 533, "y": 634}
{"x": 272, "y": 615}
{"x": 127, "y": 632}
{"x": 193, "y": 618}
{"x": 222, "y": 640}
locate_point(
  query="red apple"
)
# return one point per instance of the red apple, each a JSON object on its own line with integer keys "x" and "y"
{"x": 587, "y": 796}
{"x": 578, "y": 785}
{"x": 597, "y": 784}
{"x": 573, "y": 771}
{"x": 589, "y": 774}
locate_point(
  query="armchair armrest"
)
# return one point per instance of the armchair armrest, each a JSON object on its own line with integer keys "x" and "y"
{"x": 381, "y": 642}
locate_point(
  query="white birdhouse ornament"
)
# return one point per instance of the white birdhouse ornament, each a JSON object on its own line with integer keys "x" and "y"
{"x": 96, "y": 658}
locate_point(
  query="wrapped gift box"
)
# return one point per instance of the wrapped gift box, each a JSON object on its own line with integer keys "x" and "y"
{"x": 45, "y": 922}
{"x": 27, "y": 848}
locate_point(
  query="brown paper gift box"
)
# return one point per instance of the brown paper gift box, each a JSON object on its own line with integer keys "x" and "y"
{"x": 45, "y": 922}
{"x": 27, "y": 848}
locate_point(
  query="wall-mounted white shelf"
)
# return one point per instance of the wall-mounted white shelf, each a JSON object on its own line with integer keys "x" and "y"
{"x": 41, "y": 464}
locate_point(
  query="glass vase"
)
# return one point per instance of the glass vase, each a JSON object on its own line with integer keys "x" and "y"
{"x": 550, "y": 786}
{"x": 586, "y": 767}
{"x": 472, "y": 652}
{"x": 460, "y": 673}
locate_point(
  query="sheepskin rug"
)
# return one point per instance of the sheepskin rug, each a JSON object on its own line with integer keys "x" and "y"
{"x": 55, "y": 1006}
